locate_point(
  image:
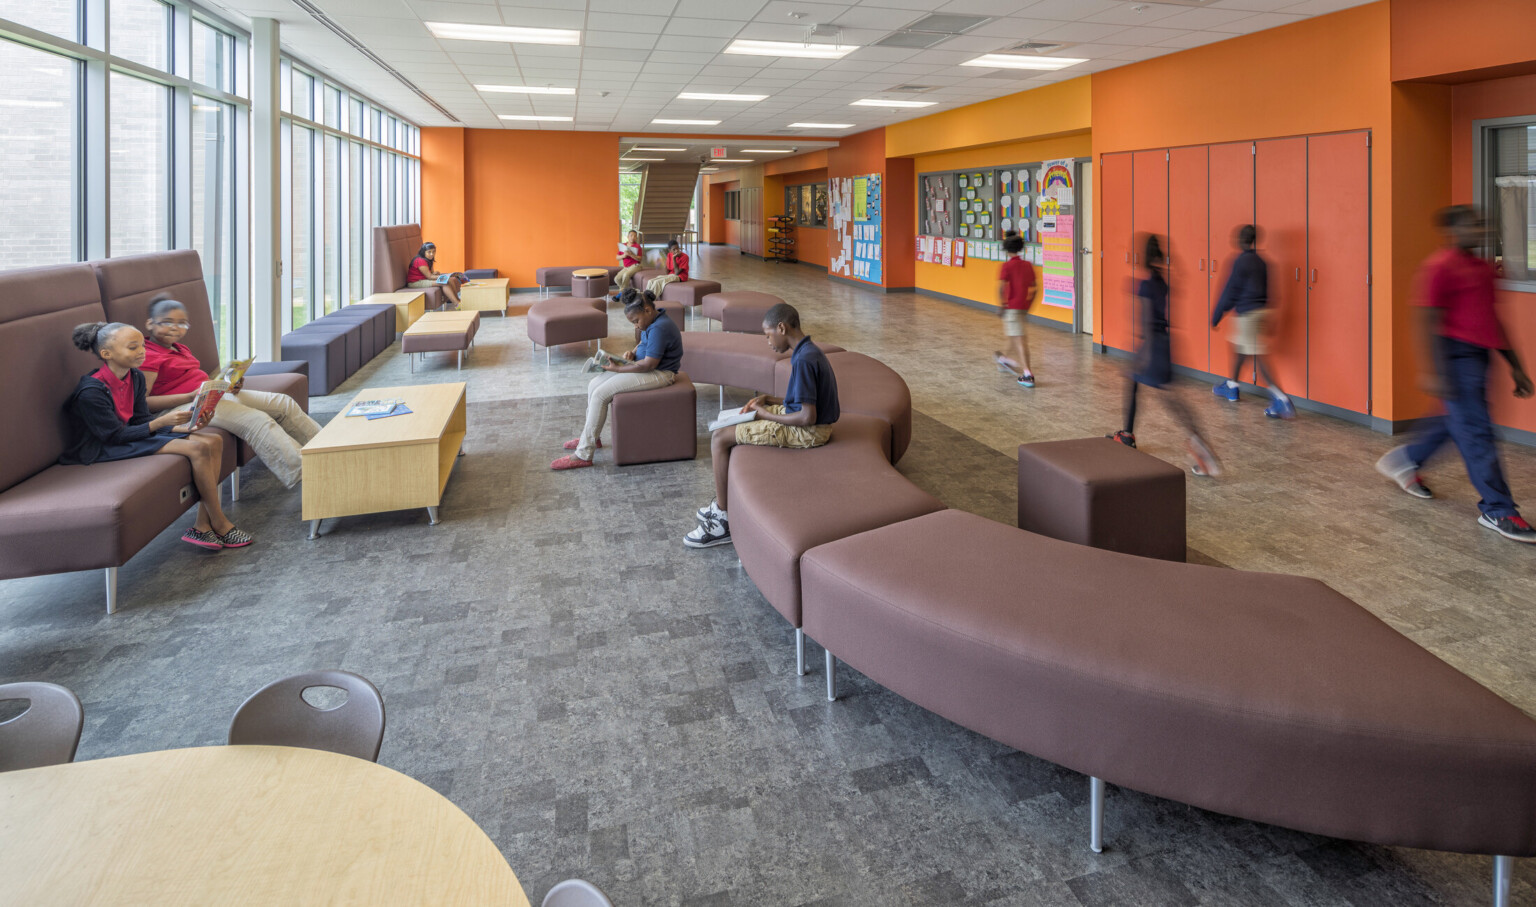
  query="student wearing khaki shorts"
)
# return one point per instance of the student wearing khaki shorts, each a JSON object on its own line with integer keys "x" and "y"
{"x": 1246, "y": 294}
{"x": 803, "y": 419}
{"x": 1016, "y": 292}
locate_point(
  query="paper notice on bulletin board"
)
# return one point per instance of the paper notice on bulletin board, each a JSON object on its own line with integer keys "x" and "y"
{"x": 1060, "y": 282}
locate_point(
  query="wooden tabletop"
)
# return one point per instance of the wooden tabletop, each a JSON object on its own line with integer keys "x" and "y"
{"x": 240, "y": 825}
{"x": 431, "y": 406}
{"x": 501, "y": 282}
{"x": 444, "y": 322}
{"x": 590, "y": 272}
{"x": 395, "y": 298}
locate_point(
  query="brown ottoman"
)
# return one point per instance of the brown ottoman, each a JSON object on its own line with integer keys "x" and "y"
{"x": 589, "y": 283}
{"x": 441, "y": 332}
{"x": 690, "y": 292}
{"x": 645, "y": 276}
{"x": 655, "y": 425}
{"x": 741, "y": 311}
{"x": 1098, "y": 492}
{"x": 673, "y": 310}
{"x": 556, "y": 321}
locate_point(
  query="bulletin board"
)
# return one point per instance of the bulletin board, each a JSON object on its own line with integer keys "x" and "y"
{"x": 856, "y": 216}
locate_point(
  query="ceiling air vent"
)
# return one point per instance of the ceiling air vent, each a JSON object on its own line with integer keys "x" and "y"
{"x": 1034, "y": 47}
{"x": 946, "y": 24}
{"x": 911, "y": 89}
{"x": 913, "y": 39}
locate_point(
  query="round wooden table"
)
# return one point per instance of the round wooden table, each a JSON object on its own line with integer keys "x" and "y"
{"x": 240, "y": 824}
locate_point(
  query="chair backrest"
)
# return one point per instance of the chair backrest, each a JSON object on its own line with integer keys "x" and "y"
{"x": 278, "y": 715}
{"x": 47, "y": 733}
{"x": 393, "y": 249}
{"x": 576, "y": 893}
{"x": 129, "y": 283}
{"x": 39, "y": 366}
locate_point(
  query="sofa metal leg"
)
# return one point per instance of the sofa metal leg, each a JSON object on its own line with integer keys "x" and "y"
{"x": 234, "y": 485}
{"x": 461, "y": 360}
{"x": 1503, "y": 873}
{"x": 722, "y": 396}
{"x": 411, "y": 357}
{"x": 546, "y": 357}
{"x": 1096, "y": 814}
{"x": 314, "y": 530}
{"x": 799, "y": 652}
{"x": 111, "y": 590}
{"x": 831, "y": 676}
{"x": 432, "y": 516}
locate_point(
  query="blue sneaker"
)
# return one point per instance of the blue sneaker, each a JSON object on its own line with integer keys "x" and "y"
{"x": 1281, "y": 409}
{"x": 1225, "y": 391}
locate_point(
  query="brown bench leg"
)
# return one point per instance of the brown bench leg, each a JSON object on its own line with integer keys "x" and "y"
{"x": 1096, "y": 814}
{"x": 1503, "y": 872}
{"x": 112, "y": 590}
{"x": 831, "y": 676}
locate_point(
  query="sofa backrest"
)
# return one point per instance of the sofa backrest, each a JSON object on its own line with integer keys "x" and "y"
{"x": 393, "y": 249}
{"x": 39, "y": 367}
{"x": 128, "y": 284}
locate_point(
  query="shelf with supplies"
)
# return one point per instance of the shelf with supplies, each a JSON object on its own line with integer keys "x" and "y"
{"x": 781, "y": 239}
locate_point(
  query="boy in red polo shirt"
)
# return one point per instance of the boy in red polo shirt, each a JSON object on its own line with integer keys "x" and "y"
{"x": 677, "y": 270}
{"x": 1460, "y": 327}
{"x": 1016, "y": 291}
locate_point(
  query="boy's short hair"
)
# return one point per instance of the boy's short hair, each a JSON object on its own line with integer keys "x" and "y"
{"x": 1247, "y": 235}
{"x": 1014, "y": 244}
{"x": 782, "y": 313}
{"x": 1456, "y": 216}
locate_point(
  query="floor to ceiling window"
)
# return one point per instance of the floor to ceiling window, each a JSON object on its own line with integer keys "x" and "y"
{"x": 140, "y": 149}
{"x": 39, "y": 157}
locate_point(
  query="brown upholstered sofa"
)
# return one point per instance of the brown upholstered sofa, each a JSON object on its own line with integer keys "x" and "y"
{"x": 393, "y": 249}
{"x": 1264, "y": 696}
{"x": 58, "y": 519}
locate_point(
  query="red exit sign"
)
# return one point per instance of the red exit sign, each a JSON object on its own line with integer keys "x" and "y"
{"x": 717, "y": 152}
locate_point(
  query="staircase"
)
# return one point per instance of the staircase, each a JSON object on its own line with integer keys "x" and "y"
{"x": 666, "y": 195}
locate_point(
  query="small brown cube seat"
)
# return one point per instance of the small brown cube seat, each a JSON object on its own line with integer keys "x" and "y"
{"x": 1098, "y": 492}
{"x": 690, "y": 292}
{"x": 553, "y": 322}
{"x": 673, "y": 310}
{"x": 656, "y": 425}
{"x": 741, "y": 311}
{"x": 441, "y": 332}
{"x": 590, "y": 285}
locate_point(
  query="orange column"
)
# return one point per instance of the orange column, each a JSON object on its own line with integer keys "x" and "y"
{"x": 442, "y": 195}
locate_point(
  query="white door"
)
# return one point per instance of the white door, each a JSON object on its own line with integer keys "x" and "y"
{"x": 1085, "y": 247}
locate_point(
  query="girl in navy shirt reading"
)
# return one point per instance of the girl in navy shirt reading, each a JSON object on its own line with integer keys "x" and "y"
{"x": 109, "y": 418}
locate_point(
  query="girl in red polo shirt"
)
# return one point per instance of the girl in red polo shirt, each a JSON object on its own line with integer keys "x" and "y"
{"x": 273, "y": 424}
{"x": 423, "y": 273}
{"x": 109, "y": 416}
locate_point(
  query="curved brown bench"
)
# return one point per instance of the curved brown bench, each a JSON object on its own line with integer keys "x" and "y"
{"x": 552, "y": 322}
{"x": 690, "y": 292}
{"x": 740, "y": 311}
{"x": 864, "y": 385}
{"x": 735, "y": 360}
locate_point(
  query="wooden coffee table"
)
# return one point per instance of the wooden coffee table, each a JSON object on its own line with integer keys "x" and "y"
{"x": 485, "y": 295}
{"x": 240, "y": 825}
{"x": 356, "y": 465}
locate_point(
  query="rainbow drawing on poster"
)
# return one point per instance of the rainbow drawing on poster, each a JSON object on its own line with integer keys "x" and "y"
{"x": 1055, "y": 177}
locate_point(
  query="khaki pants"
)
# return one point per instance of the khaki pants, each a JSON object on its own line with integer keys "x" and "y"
{"x": 658, "y": 284}
{"x": 600, "y": 393}
{"x": 765, "y": 433}
{"x": 273, "y": 424}
{"x": 627, "y": 274}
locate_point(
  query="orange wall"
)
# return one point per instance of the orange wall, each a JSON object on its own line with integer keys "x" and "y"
{"x": 1434, "y": 38}
{"x": 443, "y": 196}
{"x": 1059, "y": 109}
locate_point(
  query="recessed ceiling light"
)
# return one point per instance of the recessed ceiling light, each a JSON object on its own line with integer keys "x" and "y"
{"x": 638, "y": 148}
{"x": 714, "y": 96}
{"x": 767, "y": 151}
{"x": 881, "y": 102}
{"x": 642, "y": 159}
{"x": 709, "y": 169}
{"x": 686, "y": 122}
{"x": 525, "y": 89}
{"x": 1020, "y": 61}
{"x": 542, "y": 119}
{"x": 820, "y": 125}
{"x": 730, "y": 160}
{"x": 790, "y": 49}
{"x": 507, "y": 34}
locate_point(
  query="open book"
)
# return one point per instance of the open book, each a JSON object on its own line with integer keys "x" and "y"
{"x": 214, "y": 389}
{"x": 601, "y": 358}
{"x": 732, "y": 416}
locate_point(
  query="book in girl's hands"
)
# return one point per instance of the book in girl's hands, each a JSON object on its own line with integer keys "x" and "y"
{"x": 371, "y": 408}
{"x": 732, "y": 416}
{"x": 213, "y": 390}
{"x": 601, "y": 358}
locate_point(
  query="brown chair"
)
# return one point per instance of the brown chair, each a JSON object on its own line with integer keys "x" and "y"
{"x": 278, "y": 715}
{"x": 47, "y": 733}
{"x": 393, "y": 249}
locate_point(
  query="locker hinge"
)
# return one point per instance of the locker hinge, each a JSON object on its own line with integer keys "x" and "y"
{"x": 1367, "y": 140}
{"x": 1167, "y": 156}
{"x": 1367, "y": 279}
{"x": 1253, "y": 149}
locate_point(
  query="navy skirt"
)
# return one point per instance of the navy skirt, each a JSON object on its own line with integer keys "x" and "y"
{"x": 127, "y": 450}
{"x": 1155, "y": 365}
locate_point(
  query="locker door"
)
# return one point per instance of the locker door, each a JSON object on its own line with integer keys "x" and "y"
{"x": 1149, "y": 215}
{"x": 1338, "y": 268}
{"x": 1231, "y": 167}
{"x": 1115, "y": 255}
{"x": 1189, "y": 257}
{"x": 1280, "y": 212}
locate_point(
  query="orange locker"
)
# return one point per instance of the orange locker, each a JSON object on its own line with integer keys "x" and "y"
{"x": 1149, "y": 214}
{"x": 1189, "y": 257}
{"x": 1114, "y": 191}
{"x": 1280, "y": 212}
{"x": 1338, "y": 270}
{"x": 1231, "y": 206}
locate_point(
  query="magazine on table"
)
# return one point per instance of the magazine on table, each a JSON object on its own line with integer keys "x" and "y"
{"x": 373, "y": 408}
{"x": 213, "y": 390}
{"x": 732, "y": 416}
{"x": 601, "y": 358}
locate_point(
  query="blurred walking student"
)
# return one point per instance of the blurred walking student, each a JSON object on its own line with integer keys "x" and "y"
{"x": 1459, "y": 327}
{"x": 677, "y": 270}
{"x": 1016, "y": 292}
{"x": 109, "y": 420}
{"x": 1154, "y": 362}
{"x": 1247, "y": 294}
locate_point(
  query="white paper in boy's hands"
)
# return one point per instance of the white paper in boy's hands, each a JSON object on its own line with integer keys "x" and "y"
{"x": 732, "y": 416}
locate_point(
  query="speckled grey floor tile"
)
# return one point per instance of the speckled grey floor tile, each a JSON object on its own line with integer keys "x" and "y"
{"x": 608, "y": 704}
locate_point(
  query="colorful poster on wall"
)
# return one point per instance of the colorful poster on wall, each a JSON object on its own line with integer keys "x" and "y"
{"x": 866, "y": 228}
{"x": 1056, "y": 181}
{"x": 1060, "y": 279}
{"x": 860, "y": 198}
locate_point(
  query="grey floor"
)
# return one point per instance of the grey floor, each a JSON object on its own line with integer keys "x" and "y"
{"x": 608, "y": 704}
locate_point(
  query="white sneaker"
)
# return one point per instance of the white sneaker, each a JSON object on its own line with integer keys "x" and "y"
{"x": 710, "y": 511}
{"x": 712, "y": 533}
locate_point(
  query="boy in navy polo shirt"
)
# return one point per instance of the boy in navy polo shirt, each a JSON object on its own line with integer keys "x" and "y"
{"x": 803, "y": 419}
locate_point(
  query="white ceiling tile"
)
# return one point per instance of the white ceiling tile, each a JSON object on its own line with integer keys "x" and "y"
{"x": 1262, "y": 6}
{"x": 631, "y": 54}
{"x": 877, "y": 17}
{"x": 1194, "y": 39}
{"x": 692, "y": 44}
{"x": 679, "y": 56}
{"x": 1019, "y": 29}
{"x": 777, "y": 10}
{"x": 1323, "y": 7}
{"x": 478, "y": 14}
{"x": 1204, "y": 18}
{"x": 1256, "y": 22}
{"x": 643, "y": 7}
{"x": 976, "y": 44}
{"x": 1079, "y": 31}
{"x": 599, "y": 41}
{"x": 774, "y": 31}
{"x": 1134, "y": 13}
{"x": 706, "y": 28}
{"x": 718, "y": 9}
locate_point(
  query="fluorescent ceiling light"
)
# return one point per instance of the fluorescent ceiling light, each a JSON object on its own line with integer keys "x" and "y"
{"x": 714, "y": 96}
{"x": 767, "y": 151}
{"x": 639, "y": 159}
{"x": 541, "y": 119}
{"x": 525, "y": 89}
{"x": 790, "y": 49}
{"x": 507, "y": 34}
{"x": 1022, "y": 61}
{"x": 730, "y": 160}
{"x": 820, "y": 125}
{"x": 686, "y": 122}
{"x": 638, "y": 148}
{"x": 881, "y": 102}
